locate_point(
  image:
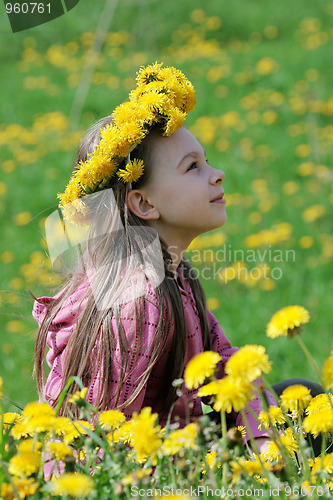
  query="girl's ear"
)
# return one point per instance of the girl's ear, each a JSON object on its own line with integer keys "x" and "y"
{"x": 140, "y": 206}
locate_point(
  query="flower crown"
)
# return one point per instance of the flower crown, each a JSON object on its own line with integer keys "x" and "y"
{"x": 162, "y": 96}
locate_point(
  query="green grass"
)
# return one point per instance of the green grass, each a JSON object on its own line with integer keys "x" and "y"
{"x": 167, "y": 32}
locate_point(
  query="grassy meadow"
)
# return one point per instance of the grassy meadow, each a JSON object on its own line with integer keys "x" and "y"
{"x": 263, "y": 78}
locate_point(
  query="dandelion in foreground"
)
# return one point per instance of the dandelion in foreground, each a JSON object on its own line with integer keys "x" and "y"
{"x": 77, "y": 429}
{"x": 72, "y": 484}
{"x": 319, "y": 422}
{"x": 200, "y": 367}
{"x": 59, "y": 450}
{"x": 181, "y": 439}
{"x": 295, "y": 397}
{"x": 286, "y": 321}
{"x": 111, "y": 419}
{"x": 245, "y": 467}
{"x": 326, "y": 466}
{"x": 248, "y": 363}
{"x": 319, "y": 403}
{"x": 288, "y": 442}
{"x": 145, "y": 434}
{"x": 79, "y": 396}
{"x": 25, "y": 487}
{"x": 228, "y": 394}
{"x": 273, "y": 417}
{"x": 24, "y": 463}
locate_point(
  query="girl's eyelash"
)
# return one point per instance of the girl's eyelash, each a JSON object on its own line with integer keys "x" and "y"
{"x": 194, "y": 163}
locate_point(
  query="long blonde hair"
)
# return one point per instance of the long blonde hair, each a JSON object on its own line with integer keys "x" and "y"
{"x": 94, "y": 330}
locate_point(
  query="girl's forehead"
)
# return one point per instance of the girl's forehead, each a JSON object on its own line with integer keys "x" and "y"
{"x": 178, "y": 145}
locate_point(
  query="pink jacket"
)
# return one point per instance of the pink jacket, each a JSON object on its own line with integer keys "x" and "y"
{"x": 64, "y": 324}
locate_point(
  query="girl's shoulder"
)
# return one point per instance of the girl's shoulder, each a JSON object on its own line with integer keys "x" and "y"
{"x": 69, "y": 309}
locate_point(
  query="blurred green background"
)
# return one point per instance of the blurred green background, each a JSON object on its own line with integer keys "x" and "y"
{"x": 263, "y": 77}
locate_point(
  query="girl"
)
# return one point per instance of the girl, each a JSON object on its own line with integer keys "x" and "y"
{"x": 119, "y": 324}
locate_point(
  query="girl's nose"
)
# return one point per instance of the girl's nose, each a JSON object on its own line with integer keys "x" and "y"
{"x": 219, "y": 176}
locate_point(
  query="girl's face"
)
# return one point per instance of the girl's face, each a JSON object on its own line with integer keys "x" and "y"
{"x": 182, "y": 187}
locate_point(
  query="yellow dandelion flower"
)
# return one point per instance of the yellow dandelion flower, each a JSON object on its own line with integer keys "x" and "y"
{"x": 286, "y": 320}
{"x": 11, "y": 418}
{"x": 111, "y": 419}
{"x": 29, "y": 445}
{"x": 21, "y": 430}
{"x": 36, "y": 418}
{"x": 245, "y": 467}
{"x": 200, "y": 367}
{"x": 132, "y": 172}
{"x": 123, "y": 434}
{"x": 288, "y": 442}
{"x": 127, "y": 137}
{"x": 35, "y": 408}
{"x": 76, "y": 430}
{"x": 78, "y": 396}
{"x": 124, "y": 113}
{"x": 59, "y": 450}
{"x": 295, "y": 397}
{"x": 212, "y": 461}
{"x": 319, "y": 422}
{"x": 145, "y": 434}
{"x": 24, "y": 463}
{"x": 61, "y": 425}
{"x": 190, "y": 98}
{"x": 181, "y": 439}
{"x": 318, "y": 403}
{"x": 264, "y": 420}
{"x": 273, "y": 417}
{"x": 248, "y": 363}
{"x": 327, "y": 465}
{"x": 73, "y": 484}
{"x": 26, "y": 486}
{"x": 148, "y": 74}
{"x": 175, "y": 121}
{"x": 276, "y": 415}
{"x": 228, "y": 394}
{"x": 328, "y": 372}
{"x": 159, "y": 103}
{"x": 175, "y": 89}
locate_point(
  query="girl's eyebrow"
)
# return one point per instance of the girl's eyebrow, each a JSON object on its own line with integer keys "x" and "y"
{"x": 192, "y": 154}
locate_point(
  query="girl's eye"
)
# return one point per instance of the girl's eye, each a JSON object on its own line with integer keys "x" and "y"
{"x": 194, "y": 164}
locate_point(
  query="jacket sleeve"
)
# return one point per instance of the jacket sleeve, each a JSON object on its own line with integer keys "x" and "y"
{"x": 132, "y": 368}
{"x": 222, "y": 346}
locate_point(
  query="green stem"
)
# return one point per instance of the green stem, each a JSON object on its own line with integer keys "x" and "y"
{"x": 223, "y": 424}
{"x": 172, "y": 472}
{"x": 309, "y": 357}
{"x": 254, "y": 446}
{"x": 224, "y": 437}
{"x": 323, "y": 449}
